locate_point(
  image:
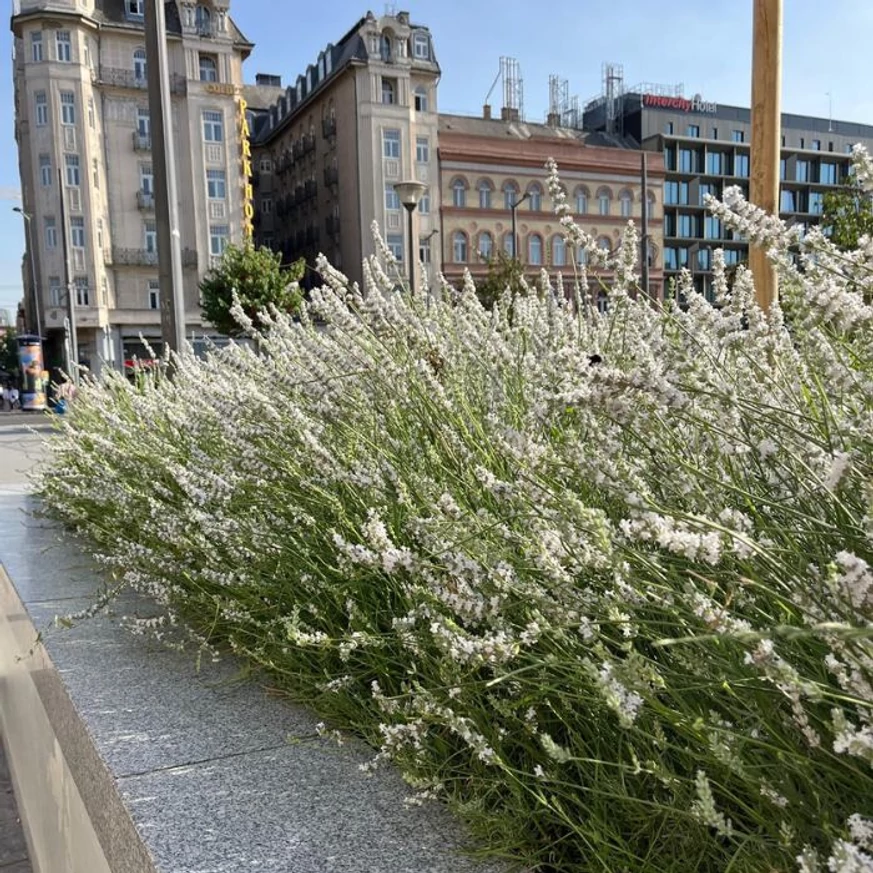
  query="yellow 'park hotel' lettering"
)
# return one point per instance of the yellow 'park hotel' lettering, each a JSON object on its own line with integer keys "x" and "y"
{"x": 248, "y": 226}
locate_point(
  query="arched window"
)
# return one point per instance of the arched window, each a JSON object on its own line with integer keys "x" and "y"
{"x": 388, "y": 94}
{"x": 652, "y": 254}
{"x": 208, "y": 71}
{"x": 604, "y": 243}
{"x": 385, "y": 46}
{"x": 421, "y": 100}
{"x": 652, "y": 201}
{"x": 559, "y": 250}
{"x": 510, "y": 194}
{"x": 459, "y": 247}
{"x": 140, "y": 72}
{"x": 602, "y": 301}
{"x": 485, "y": 189}
{"x": 535, "y": 198}
{"x": 508, "y": 247}
{"x": 604, "y": 198}
{"x": 486, "y": 245}
{"x": 535, "y": 249}
{"x": 626, "y": 199}
{"x": 459, "y": 193}
{"x": 581, "y": 256}
{"x": 203, "y": 19}
{"x": 581, "y": 201}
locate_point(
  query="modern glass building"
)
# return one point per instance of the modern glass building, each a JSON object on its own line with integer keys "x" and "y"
{"x": 706, "y": 148}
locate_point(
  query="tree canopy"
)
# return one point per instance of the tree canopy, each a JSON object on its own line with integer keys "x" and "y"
{"x": 259, "y": 280}
{"x": 848, "y": 211}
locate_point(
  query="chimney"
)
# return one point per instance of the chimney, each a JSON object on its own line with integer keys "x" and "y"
{"x": 486, "y": 111}
{"x": 403, "y": 17}
{"x": 268, "y": 79}
{"x": 553, "y": 119}
{"x": 509, "y": 113}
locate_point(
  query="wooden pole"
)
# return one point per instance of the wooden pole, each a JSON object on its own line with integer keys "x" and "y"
{"x": 766, "y": 133}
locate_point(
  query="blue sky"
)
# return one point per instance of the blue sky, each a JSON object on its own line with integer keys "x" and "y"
{"x": 826, "y": 49}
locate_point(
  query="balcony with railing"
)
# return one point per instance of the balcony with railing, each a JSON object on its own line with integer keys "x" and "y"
{"x": 142, "y": 142}
{"x": 123, "y": 77}
{"x": 128, "y": 257}
{"x": 145, "y": 200}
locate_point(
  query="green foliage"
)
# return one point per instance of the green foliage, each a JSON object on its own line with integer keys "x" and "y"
{"x": 505, "y": 273}
{"x": 9, "y": 351}
{"x": 848, "y": 211}
{"x": 257, "y": 277}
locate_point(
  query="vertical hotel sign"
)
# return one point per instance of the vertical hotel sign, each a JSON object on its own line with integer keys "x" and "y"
{"x": 248, "y": 200}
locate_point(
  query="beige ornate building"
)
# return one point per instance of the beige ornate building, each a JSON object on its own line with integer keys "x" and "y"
{"x": 487, "y": 165}
{"x": 327, "y": 154}
{"x": 82, "y": 108}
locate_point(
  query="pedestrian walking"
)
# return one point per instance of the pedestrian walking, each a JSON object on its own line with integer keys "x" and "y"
{"x": 13, "y": 398}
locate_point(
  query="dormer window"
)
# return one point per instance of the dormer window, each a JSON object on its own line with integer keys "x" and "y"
{"x": 134, "y": 8}
{"x": 385, "y": 47}
{"x": 203, "y": 20}
{"x": 421, "y": 47}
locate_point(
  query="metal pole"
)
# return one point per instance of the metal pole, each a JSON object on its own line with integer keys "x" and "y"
{"x": 73, "y": 348}
{"x": 514, "y": 234}
{"x": 33, "y": 285}
{"x": 409, "y": 210}
{"x": 169, "y": 236}
{"x": 766, "y": 123}
{"x": 644, "y": 221}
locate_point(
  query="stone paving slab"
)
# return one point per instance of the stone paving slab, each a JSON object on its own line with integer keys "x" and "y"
{"x": 203, "y": 764}
{"x": 13, "y": 847}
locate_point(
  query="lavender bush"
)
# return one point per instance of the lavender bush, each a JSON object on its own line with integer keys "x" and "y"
{"x": 615, "y": 609}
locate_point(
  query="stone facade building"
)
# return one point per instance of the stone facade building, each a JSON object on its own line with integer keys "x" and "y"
{"x": 82, "y": 108}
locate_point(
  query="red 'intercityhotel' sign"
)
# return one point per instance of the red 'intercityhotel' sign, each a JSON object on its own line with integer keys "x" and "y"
{"x": 682, "y": 104}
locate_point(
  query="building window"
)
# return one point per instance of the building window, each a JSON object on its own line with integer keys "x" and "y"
{"x": 604, "y": 197}
{"x": 218, "y": 237}
{"x": 459, "y": 193}
{"x": 670, "y": 224}
{"x": 652, "y": 202}
{"x": 134, "y": 8}
{"x": 828, "y": 173}
{"x": 151, "y": 237}
{"x": 559, "y": 251}
{"x": 213, "y": 126}
{"x": 51, "y": 233}
{"x": 216, "y": 184}
{"x": 147, "y": 180}
{"x": 154, "y": 294}
{"x": 267, "y": 206}
{"x": 68, "y": 107}
{"x": 389, "y": 91}
{"x": 95, "y": 172}
{"x": 510, "y": 195}
{"x": 581, "y": 201}
{"x": 535, "y": 249}
{"x": 669, "y": 158}
{"x": 392, "y": 198}
{"x": 816, "y": 145}
{"x": 715, "y": 162}
{"x": 783, "y": 165}
{"x": 786, "y": 201}
{"x": 802, "y": 143}
{"x": 99, "y": 233}
{"x": 391, "y": 143}
{"x": 36, "y": 46}
{"x": 626, "y": 200}
{"x": 422, "y": 149}
{"x": 45, "y": 170}
{"x": 139, "y": 66}
{"x": 82, "y": 296}
{"x": 459, "y": 247}
{"x": 712, "y": 227}
{"x": 266, "y": 165}
{"x": 668, "y": 128}
{"x": 208, "y": 69}
{"x": 143, "y": 122}
{"x": 670, "y": 260}
{"x": 421, "y": 46}
{"x": 421, "y": 101}
{"x": 508, "y": 245}
{"x": 41, "y": 109}
{"x": 484, "y": 194}
{"x": 203, "y": 20}
{"x": 687, "y": 226}
{"x": 801, "y": 171}
{"x": 92, "y": 120}
{"x": 77, "y": 232}
{"x": 424, "y": 249}
{"x": 703, "y": 190}
{"x": 731, "y": 256}
{"x": 64, "y": 45}
{"x": 581, "y": 256}
{"x": 741, "y": 165}
{"x": 535, "y": 198}
{"x": 55, "y": 290}
{"x": 704, "y": 259}
{"x": 394, "y": 242}
{"x": 671, "y": 193}
{"x": 738, "y": 136}
{"x": 603, "y": 244}
{"x": 715, "y": 133}
{"x": 686, "y": 161}
{"x": 816, "y": 202}
{"x": 385, "y": 47}
{"x": 424, "y": 202}
{"x": 485, "y": 245}
{"x": 71, "y": 162}
{"x": 693, "y": 130}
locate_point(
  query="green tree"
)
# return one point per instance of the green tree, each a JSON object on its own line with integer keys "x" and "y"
{"x": 9, "y": 351}
{"x": 504, "y": 272}
{"x": 259, "y": 280}
{"x": 848, "y": 211}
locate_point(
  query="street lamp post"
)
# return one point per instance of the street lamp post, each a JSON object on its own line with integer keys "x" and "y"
{"x": 410, "y": 193}
{"x": 33, "y": 286}
{"x": 513, "y": 208}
